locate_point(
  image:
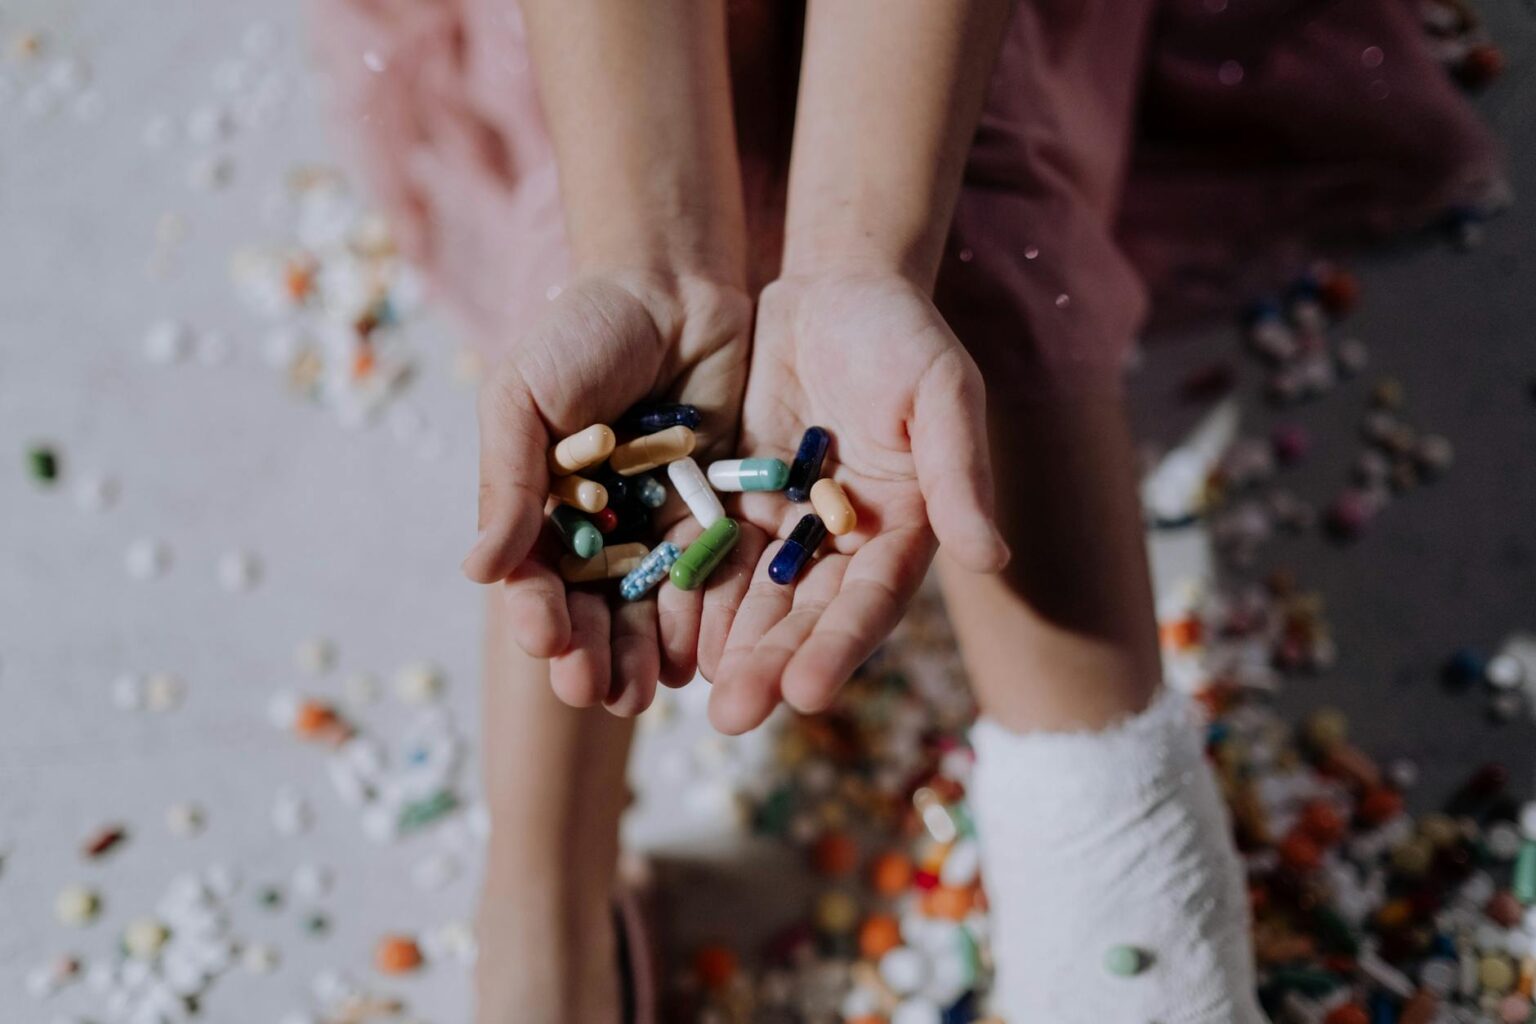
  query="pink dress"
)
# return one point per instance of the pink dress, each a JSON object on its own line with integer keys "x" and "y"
{"x": 1135, "y": 156}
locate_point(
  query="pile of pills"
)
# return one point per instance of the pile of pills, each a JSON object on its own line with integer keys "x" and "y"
{"x": 604, "y": 500}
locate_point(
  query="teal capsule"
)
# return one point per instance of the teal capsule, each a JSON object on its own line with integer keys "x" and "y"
{"x": 1524, "y": 882}
{"x": 748, "y": 475}
{"x": 1126, "y": 961}
{"x": 576, "y": 531}
{"x": 705, "y": 554}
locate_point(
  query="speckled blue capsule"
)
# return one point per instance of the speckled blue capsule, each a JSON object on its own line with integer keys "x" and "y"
{"x": 650, "y": 491}
{"x": 806, "y": 469}
{"x": 792, "y": 558}
{"x": 653, "y": 568}
{"x": 649, "y": 417}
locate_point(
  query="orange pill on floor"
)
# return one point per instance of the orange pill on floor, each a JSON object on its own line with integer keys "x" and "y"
{"x": 890, "y": 873}
{"x": 714, "y": 966}
{"x": 317, "y": 720}
{"x": 878, "y": 935}
{"x": 835, "y": 855}
{"x": 397, "y": 954}
{"x": 951, "y": 903}
{"x": 1300, "y": 853}
{"x": 1320, "y": 821}
{"x": 1379, "y": 805}
{"x": 1349, "y": 1013}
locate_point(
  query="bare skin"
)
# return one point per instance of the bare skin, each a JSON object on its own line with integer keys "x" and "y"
{"x": 890, "y": 93}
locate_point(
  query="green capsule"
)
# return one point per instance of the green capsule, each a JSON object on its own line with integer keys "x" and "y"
{"x": 44, "y": 464}
{"x": 748, "y": 475}
{"x": 576, "y": 531}
{"x": 1525, "y": 874}
{"x": 1125, "y": 961}
{"x": 691, "y": 570}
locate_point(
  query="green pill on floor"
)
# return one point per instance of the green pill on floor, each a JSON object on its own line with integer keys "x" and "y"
{"x": 704, "y": 555}
{"x": 1126, "y": 961}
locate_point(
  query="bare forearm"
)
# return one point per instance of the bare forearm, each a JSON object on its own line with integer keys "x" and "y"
{"x": 890, "y": 93}
{"x": 638, "y": 103}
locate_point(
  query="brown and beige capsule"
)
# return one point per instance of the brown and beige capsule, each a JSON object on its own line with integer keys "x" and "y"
{"x": 608, "y": 564}
{"x": 831, "y": 503}
{"x": 587, "y": 495}
{"x": 582, "y": 449}
{"x": 652, "y": 450}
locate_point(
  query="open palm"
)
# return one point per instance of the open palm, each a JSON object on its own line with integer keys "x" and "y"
{"x": 607, "y": 342}
{"x": 871, "y": 360}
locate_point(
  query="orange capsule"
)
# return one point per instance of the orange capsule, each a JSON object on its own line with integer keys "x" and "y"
{"x": 1421, "y": 1008}
{"x": 582, "y": 449}
{"x": 1379, "y": 805}
{"x": 1321, "y": 822}
{"x": 587, "y": 495}
{"x": 397, "y": 954}
{"x": 890, "y": 873}
{"x": 714, "y": 966}
{"x": 652, "y": 450}
{"x": 1349, "y": 1013}
{"x": 831, "y": 503}
{"x": 316, "y": 720}
{"x": 835, "y": 855}
{"x": 1300, "y": 853}
{"x": 948, "y": 902}
{"x": 878, "y": 935}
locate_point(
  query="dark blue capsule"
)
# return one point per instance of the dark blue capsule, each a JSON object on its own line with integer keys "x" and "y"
{"x": 649, "y": 417}
{"x": 620, "y": 488}
{"x": 806, "y": 469}
{"x": 803, "y": 541}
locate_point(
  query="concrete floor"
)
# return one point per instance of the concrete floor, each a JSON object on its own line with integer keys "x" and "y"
{"x": 360, "y": 533}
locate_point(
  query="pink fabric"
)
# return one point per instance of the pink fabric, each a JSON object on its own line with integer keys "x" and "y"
{"x": 1190, "y": 151}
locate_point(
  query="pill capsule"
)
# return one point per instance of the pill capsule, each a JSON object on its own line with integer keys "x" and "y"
{"x": 831, "y": 503}
{"x": 803, "y": 541}
{"x": 652, "y": 450}
{"x": 587, "y": 495}
{"x": 704, "y": 555}
{"x": 576, "y": 532}
{"x": 806, "y": 468}
{"x": 606, "y": 520}
{"x": 611, "y": 563}
{"x": 649, "y": 417}
{"x": 652, "y": 570}
{"x": 748, "y": 475}
{"x": 650, "y": 492}
{"x": 620, "y": 489}
{"x": 582, "y": 449}
{"x": 702, "y": 501}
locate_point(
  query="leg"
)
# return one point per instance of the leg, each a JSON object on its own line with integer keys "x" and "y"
{"x": 1104, "y": 839}
{"x": 1075, "y": 605}
{"x": 554, "y": 779}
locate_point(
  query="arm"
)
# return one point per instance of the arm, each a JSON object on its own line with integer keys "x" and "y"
{"x": 636, "y": 97}
{"x": 890, "y": 94}
{"x": 848, "y": 339}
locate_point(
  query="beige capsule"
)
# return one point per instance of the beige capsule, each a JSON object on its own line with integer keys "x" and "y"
{"x": 587, "y": 495}
{"x": 652, "y": 450}
{"x": 831, "y": 503}
{"x": 582, "y": 449}
{"x": 607, "y": 564}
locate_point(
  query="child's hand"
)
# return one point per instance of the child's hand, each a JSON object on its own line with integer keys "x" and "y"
{"x": 869, "y": 358}
{"x": 609, "y": 340}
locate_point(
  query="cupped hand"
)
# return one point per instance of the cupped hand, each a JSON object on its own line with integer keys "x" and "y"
{"x": 608, "y": 341}
{"x": 869, "y": 358}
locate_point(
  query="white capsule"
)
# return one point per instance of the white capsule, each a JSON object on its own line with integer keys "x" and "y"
{"x": 163, "y": 692}
{"x": 312, "y": 881}
{"x": 904, "y": 969}
{"x": 168, "y": 341}
{"x": 147, "y": 559}
{"x": 688, "y": 480}
{"x": 238, "y": 571}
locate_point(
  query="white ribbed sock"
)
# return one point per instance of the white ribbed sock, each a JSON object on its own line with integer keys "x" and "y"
{"x": 1094, "y": 840}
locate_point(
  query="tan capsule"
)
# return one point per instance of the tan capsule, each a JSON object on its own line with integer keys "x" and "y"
{"x": 652, "y": 450}
{"x": 831, "y": 503}
{"x": 582, "y": 449}
{"x": 607, "y": 564}
{"x": 587, "y": 495}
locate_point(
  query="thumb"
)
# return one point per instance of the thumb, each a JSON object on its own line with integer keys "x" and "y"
{"x": 948, "y": 429}
{"x": 514, "y": 478}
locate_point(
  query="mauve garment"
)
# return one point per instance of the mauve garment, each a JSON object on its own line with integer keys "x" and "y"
{"x": 1193, "y": 151}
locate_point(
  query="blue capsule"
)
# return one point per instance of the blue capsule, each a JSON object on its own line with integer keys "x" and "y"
{"x": 653, "y": 568}
{"x": 620, "y": 488}
{"x": 806, "y": 469}
{"x": 650, "y": 491}
{"x": 649, "y": 417}
{"x": 803, "y": 541}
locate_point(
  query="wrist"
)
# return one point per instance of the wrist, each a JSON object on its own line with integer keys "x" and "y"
{"x": 847, "y": 239}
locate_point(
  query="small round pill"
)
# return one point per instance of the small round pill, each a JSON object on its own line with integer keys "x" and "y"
{"x": 1125, "y": 961}
{"x": 831, "y": 503}
{"x": 582, "y": 449}
{"x": 77, "y": 905}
